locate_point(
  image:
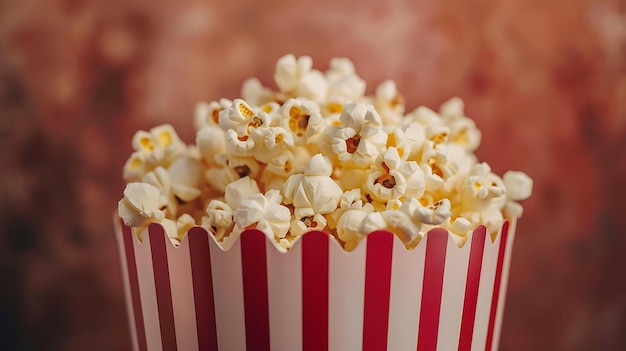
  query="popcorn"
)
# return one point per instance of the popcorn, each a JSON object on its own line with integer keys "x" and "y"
{"x": 135, "y": 166}
{"x": 305, "y": 224}
{"x": 463, "y": 131}
{"x": 141, "y": 205}
{"x": 295, "y": 77}
{"x": 186, "y": 178}
{"x": 265, "y": 213}
{"x": 361, "y": 136}
{"x": 389, "y": 103}
{"x": 219, "y": 218}
{"x": 391, "y": 178}
{"x": 343, "y": 81}
{"x": 183, "y": 224}
{"x": 349, "y": 227}
{"x": 314, "y": 191}
{"x": 302, "y": 118}
{"x": 317, "y": 154}
{"x": 160, "y": 179}
{"x": 208, "y": 114}
{"x": 159, "y": 147}
{"x": 253, "y": 91}
{"x": 435, "y": 213}
{"x": 398, "y": 221}
{"x": 239, "y": 190}
{"x": 518, "y": 185}
{"x": 210, "y": 141}
{"x": 460, "y": 229}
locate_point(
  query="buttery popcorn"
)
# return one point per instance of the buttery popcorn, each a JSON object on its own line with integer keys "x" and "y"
{"x": 318, "y": 154}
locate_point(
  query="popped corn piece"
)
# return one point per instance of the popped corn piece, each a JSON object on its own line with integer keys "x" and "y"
{"x": 512, "y": 209}
{"x": 219, "y": 219}
{"x": 353, "y": 178}
{"x": 348, "y": 226}
{"x": 144, "y": 142}
{"x": 220, "y": 177}
{"x": 424, "y": 116}
{"x": 350, "y": 200}
{"x": 284, "y": 245}
{"x": 243, "y": 145}
{"x": 483, "y": 189}
{"x": 414, "y": 135}
{"x": 491, "y": 217}
{"x": 167, "y": 141}
{"x": 343, "y": 82}
{"x": 141, "y": 205}
{"x": 236, "y": 116}
{"x": 435, "y": 213}
{"x": 208, "y": 114}
{"x": 272, "y": 142}
{"x": 295, "y": 77}
{"x": 313, "y": 192}
{"x": 437, "y": 134}
{"x": 239, "y": 190}
{"x": 160, "y": 179}
{"x": 302, "y": 225}
{"x": 518, "y": 185}
{"x": 158, "y": 147}
{"x": 210, "y": 141}
{"x": 442, "y": 166}
{"x": 361, "y": 137}
{"x": 402, "y": 224}
{"x": 186, "y": 178}
{"x": 135, "y": 166}
{"x": 389, "y": 103}
{"x": 391, "y": 178}
{"x": 463, "y": 131}
{"x": 302, "y": 118}
{"x": 253, "y": 91}
{"x": 265, "y": 213}
{"x": 183, "y": 224}
{"x": 396, "y": 137}
{"x": 460, "y": 228}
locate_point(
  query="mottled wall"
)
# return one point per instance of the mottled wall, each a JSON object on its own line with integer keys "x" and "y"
{"x": 544, "y": 80}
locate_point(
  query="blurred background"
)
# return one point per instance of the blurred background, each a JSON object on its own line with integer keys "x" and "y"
{"x": 545, "y": 82}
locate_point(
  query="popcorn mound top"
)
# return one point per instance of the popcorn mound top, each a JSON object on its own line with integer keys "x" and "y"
{"x": 318, "y": 154}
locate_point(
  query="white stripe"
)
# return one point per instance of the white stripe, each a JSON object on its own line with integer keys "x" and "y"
{"x": 284, "y": 277}
{"x": 453, "y": 295}
{"x": 485, "y": 292}
{"x": 407, "y": 275}
{"x": 228, "y": 295}
{"x": 179, "y": 264}
{"x": 346, "y": 285}
{"x": 147, "y": 291}
{"x": 126, "y": 280}
{"x": 503, "y": 285}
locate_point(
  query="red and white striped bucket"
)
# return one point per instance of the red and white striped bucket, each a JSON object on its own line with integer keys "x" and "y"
{"x": 381, "y": 296}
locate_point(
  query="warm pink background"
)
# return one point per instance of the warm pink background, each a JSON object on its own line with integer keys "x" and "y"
{"x": 544, "y": 80}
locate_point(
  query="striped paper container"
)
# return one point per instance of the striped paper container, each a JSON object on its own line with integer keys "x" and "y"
{"x": 380, "y": 296}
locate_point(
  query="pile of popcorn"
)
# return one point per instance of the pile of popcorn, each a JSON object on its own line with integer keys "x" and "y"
{"x": 318, "y": 154}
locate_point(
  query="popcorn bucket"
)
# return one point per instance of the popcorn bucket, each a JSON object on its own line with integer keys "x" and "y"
{"x": 380, "y": 296}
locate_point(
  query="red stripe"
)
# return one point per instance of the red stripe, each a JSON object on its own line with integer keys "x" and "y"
{"x": 471, "y": 288}
{"x": 315, "y": 291}
{"x": 496, "y": 285}
{"x": 377, "y": 290}
{"x": 158, "y": 240}
{"x": 255, "y": 299}
{"x": 201, "y": 274}
{"x": 131, "y": 263}
{"x": 434, "y": 264}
